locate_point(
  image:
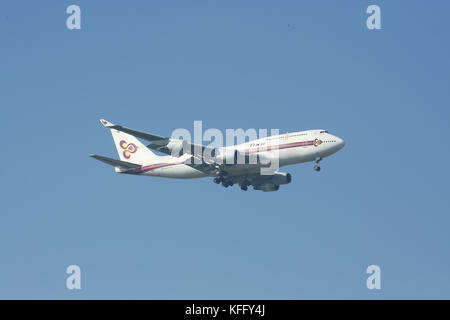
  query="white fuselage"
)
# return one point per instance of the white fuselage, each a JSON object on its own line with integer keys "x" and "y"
{"x": 289, "y": 148}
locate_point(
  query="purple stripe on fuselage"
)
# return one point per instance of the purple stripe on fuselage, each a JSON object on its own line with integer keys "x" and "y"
{"x": 151, "y": 167}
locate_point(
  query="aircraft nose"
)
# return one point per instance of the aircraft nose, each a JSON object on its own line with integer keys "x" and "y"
{"x": 341, "y": 143}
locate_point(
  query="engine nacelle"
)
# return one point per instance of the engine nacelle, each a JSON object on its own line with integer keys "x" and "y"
{"x": 281, "y": 178}
{"x": 273, "y": 183}
{"x": 226, "y": 156}
{"x": 231, "y": 156}
{"x": 175, "y": 147}
{"x": 267, "y": 187}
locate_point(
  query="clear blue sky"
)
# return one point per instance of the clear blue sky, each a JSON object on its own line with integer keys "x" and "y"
{"x": 160, "y": 65}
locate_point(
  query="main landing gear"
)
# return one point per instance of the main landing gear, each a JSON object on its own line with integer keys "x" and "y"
{"x": 221, "y": 176}
{"x": 317, "y": 167}
{"x": 223, "y": 180}
{"x": 244, "y": 185}
{"x": 226, "y": 182}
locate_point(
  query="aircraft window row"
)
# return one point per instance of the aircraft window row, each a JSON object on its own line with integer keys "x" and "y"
{"x": 298, "y": 134}
{"x": 283, "y": 135}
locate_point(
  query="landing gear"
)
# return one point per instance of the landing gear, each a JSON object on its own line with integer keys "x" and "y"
{"x": 317, "y": 167}
{"x": 221, "y": 178}
{"x": 244, "y": 185}
{"x": 221, "y": 173}
{"x": 227, "y": 183}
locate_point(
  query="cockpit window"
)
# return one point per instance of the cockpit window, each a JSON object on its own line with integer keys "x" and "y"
{"x": 323, "y": 131}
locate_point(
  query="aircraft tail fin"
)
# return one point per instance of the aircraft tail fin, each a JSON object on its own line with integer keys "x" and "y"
{"x": 130, "y": 149}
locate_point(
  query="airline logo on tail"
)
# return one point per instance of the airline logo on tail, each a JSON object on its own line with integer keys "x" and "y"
{"x": 128, "y": 148}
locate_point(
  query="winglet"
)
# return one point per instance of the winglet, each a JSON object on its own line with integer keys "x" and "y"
{"x": 106, "y": 123}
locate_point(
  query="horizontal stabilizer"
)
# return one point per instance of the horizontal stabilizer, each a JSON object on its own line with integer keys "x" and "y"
{"x": 116, "y": 163}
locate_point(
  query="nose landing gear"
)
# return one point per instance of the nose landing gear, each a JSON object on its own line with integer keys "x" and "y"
{"x": 317, "y": 167}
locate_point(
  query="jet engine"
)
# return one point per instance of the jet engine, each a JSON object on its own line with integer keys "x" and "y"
{"x": 267, "y": 187}
{"x": 176, "y": 147}
{"x": 226, "y": 156}
{"x": 272, "y": 183}
{"x": 231, "y": 156}
{"x": 281, "y": 178}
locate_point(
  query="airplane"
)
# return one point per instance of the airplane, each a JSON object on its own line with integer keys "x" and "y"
{"x": 228, "y": 165}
